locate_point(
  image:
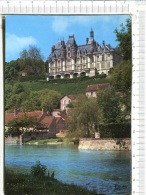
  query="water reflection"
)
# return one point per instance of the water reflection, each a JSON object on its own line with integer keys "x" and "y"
{"x": 106, "y": 171}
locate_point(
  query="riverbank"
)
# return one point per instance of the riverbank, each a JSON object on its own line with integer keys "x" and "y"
{"x": 19, "y": 183}
{"x": 105, "y": 144}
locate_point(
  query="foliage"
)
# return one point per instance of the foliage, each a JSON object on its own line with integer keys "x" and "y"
{"x": 115, "y": 130}
{"x": 30, "y": 62}
{"x": 20, "y": 183}
{"x": 109, "y": 106}
{"x": 20, "y": 124}
{"x": 29, "y": 99}
{"x": 83, "y": 119}
{"x": 125, "y": 40}
{"x": 121, "y": 76}
{"x": 49, "y": 99}
{"x": 38, "y": 170}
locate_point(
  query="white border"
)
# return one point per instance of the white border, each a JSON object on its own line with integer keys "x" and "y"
{"x": 137, "y": 10}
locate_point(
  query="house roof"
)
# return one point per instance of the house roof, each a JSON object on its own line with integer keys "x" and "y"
{"x": 47, "y": 121}
{"x": 71, "y": 97}
{"x": 11, "y": 116}
{"x": 96, "y": 87}
{"x": 63, "y": 116}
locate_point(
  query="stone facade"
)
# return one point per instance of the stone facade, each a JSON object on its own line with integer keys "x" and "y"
{"x": 105, "y": 144}
{"x": 71, "y": 60}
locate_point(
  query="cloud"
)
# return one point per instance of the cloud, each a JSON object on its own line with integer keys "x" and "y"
{"x": 15, "y": 44}
{"x": 63, "y": 24}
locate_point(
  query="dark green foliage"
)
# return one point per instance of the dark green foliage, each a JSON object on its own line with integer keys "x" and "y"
{"x": 17, "y": 125}
{"x": 20, "y": 183}
{"x": 109, "y": 106}
{"x": 38, "y": 170}
{"x": 121, "y": 76}
{"x": 125, "y": 40}
{"x": 83, "y": 119}
{"x": 115, "y": 130}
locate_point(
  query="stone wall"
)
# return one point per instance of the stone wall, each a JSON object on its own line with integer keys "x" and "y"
{"x": 13, "y": 140}
{"x": 105, "y": 144}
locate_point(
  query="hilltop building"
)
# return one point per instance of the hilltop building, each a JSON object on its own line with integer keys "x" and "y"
{"x": 71, "y": 60}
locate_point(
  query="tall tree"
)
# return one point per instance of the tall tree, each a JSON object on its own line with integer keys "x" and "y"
{"x": 32, "y": 60}
{"x": 109, "y": 106}
{"x": 121, "y": 76}
{"x": 19, "y": 125}
{"x": 125, "y": 40}
{"x": 83, "y": 119}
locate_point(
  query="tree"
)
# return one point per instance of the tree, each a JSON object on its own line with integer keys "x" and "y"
{"x": 32, "y": 60}
{"x": 109, "y": 106}
{"x": 121, "y": 76}
{"x": 49, "y": 99}
{"x": 83, "y": 119}
{"x": 125, "y": 40}
{"x": 19, "y": 125}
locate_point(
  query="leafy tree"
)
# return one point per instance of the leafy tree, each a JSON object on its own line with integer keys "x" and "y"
{"x": 83, "y": 119}
{"x": 19, "y": 125}
{"x": 32, "y": 60}
{"x": 109, "y": 106}
{"x": 121, "y": 76}
{"x": 125, "y": 40}
{"x": 49, "y": 99}
{"x": 32, "y": 102}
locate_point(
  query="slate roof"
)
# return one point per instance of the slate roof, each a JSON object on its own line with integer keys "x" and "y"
{"x": 96, "y": 87}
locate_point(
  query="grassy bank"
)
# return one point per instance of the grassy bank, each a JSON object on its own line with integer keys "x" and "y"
{"x": 18, "y": 183}
{"x": 65, "y": 87}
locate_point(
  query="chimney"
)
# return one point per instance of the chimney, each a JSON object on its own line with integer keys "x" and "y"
{"x": 43, "y": 111}
{"x": 16, "y": 111}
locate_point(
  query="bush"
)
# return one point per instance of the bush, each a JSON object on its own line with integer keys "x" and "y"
{"x": 115, "y": 130}
{"x": 38, "y": 170}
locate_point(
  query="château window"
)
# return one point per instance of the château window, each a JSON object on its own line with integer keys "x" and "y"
{"x": 108, "y": 64}
{"x": 68, "y": 48}
{"x": 102, "y": 57}
{"x": 69, "y": 54}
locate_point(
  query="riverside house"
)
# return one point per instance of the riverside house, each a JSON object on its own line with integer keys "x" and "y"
{"x": 91, "y": 90}
{"x": 47, "y": 128}
{"x": 65, "y": 100}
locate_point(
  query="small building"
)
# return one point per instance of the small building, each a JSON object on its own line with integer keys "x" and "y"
{"x": 65, "y": 100}
{"x": 47, "y": 126}
{"x": 91, "y": 90}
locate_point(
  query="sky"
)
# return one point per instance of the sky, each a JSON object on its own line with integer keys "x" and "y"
{"x": 46, "y": 31}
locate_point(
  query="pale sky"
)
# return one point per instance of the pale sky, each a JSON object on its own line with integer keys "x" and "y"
{"x": 46, "y": 31}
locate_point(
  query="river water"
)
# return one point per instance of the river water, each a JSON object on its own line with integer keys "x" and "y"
{"x": 108, "y": 172}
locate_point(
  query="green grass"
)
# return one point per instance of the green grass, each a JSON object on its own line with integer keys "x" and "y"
{"x": 51, "y": 141}
{"x": 65, "y": 87}
{"x": 26, "y": 184}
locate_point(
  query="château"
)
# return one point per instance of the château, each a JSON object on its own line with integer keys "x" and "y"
{"x": 71, "y": 60}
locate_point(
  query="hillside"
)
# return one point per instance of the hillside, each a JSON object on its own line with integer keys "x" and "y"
{"x": 65, "y": 87}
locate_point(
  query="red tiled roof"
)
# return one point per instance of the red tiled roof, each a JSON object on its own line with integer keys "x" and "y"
{"x": 63, "y": 116}
{"x": 71, "y": 97}
{"x": 10, "y": 116}
{"x": 47, "y": 121}
{"x": 96, "y": 87}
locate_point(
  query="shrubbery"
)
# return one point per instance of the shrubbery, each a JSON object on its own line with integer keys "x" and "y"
{"x": 38, "y": 170}
{"x": 115, "y": 130}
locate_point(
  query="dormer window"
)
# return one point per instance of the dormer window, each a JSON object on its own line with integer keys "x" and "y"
{"x": 68, "y": 48}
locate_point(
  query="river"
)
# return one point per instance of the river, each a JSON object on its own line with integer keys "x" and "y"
{"x": 108, "y": 172}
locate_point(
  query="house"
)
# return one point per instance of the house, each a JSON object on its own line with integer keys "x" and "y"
{"x": 69, "y": 60}
{"x": 65, "y": 100}
{"x": 92, "y": 90}
{"x": 47, "y": 126}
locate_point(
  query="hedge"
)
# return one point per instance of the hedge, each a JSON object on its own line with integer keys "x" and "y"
{"x": 115, "y": 130}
